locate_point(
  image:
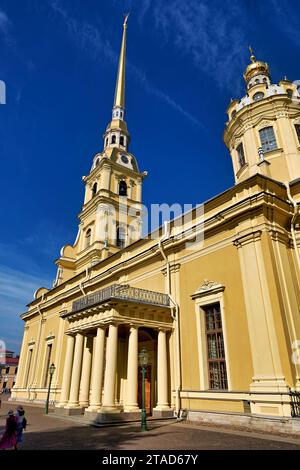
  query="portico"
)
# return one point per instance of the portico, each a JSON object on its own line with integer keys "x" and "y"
{"x": 106, "y": 330}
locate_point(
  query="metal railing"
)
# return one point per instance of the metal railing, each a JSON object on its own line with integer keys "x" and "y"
{"x": 125, "y": 292}
{"x": 295, "y": 404}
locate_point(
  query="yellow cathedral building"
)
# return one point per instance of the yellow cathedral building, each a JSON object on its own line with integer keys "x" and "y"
{"x": 213, "y": 298}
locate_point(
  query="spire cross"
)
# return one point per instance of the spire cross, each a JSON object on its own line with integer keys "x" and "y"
{"x": 125, "y": 19}
{"x": 252, "y": 57}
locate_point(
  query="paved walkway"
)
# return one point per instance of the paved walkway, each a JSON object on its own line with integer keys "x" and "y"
{"x": 47, "y": 432}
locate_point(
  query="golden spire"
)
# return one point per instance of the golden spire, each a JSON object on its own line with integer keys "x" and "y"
{"x": 119, "y": 101}
{"x": 256, "y": 67}
{"x": 252, "y": 57}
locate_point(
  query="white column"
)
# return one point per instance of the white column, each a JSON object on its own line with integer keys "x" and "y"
{"x": 76, "y": 372}
{"x": 162, "y": 372}
{"x": 84, "y": 393}
{"x": 139, "y": 190}
{"x": 132, "y": 371}
{"x": 66, "y": 381}
{"x": 106, "y": 170}
{"x": 110, "y": 369}
{"x": 97, "y": 370}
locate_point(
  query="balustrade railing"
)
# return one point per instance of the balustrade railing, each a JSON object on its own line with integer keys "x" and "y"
{"x": 125, "y": 292}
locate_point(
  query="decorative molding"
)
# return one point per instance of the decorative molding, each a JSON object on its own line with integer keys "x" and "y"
{"x": 208, "y": 288}
{"x": 248, "y": 238}
{"x": 50, "y": 336}
{"x": 174, "y": 268}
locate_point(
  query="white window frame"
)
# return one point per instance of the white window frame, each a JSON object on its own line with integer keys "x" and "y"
{"x": 209, "y": 293}
{"x": 43, "y": 377}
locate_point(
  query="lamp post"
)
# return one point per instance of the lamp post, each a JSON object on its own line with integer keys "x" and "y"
{"x": 143, "y": 359}
{"x": 51, "y": 372}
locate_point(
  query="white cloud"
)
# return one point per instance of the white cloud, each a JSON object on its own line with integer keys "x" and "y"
{"x": 211, "y": 33}
{"x": 93, "y": 41}
{"x": 5, "y": 25}
{"x": 283, "y": 14}
{"x": 16, "y": 291}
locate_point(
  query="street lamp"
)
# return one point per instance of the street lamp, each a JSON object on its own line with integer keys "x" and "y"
{"x": 51, "y": 372}
{"x": 143, "y": 359}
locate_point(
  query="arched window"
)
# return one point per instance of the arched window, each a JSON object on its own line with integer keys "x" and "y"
{"x": 122, "y": 140}
{"x": 241, "y": 155}
{"x": 289, "y": 92}
{"x": 113, "y": 139}
{"x": 120, "y": 237}
{"x": 258, "y": 96}
{"x": 94, "y": 189}
{"x": 233, "y": 114}
{"x": 122, "y": 188}
{"x": 106, "y": 142}
{"x": 87, "y": 241}
{"x": 97, "y": 161}
{"x": 268, "y": 139}
{"x": 297, "y": 127}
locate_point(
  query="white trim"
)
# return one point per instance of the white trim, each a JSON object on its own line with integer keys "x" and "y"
{"x": 213, "y": 295}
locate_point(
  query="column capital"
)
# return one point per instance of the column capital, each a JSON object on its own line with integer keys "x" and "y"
{"x": 253, "y": 236}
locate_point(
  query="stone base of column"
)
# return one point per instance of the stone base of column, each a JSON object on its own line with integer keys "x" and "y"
{"x": 93, "y": 409}
{"x": 69, "y": 411}
{"x": 61, "y": 404}
{"x": 163, "y": 412}
{"x": 110, "y": 409}
{"x": 84, "y": 404}
{"x": 73, "y": 405}
{"x": 101, "y": 418}
{"x": 131, "y": 409}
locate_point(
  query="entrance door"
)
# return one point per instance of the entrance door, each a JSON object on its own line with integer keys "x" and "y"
{"x": 147, "y": 389}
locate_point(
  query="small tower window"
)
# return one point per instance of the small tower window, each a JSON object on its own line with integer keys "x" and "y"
{"x": 94, "y": 189}
{"x": 120, "y": 237}
{"x": 258, "y": 96}
{"x": 267, "y": 138}
{"x": 233, "y": 114}
{"x": 241, "y": 155}
{"x": 113, "y": 139}
{"x": 122, "y": 188}
{"x": 297, "y": 127}
{"x": 106, "y": 142}
{"x": 122, "y": 140}
{"x": 97, "y": 162}
{"x": 289, "y": 92}
{"x": 88, "y": 238}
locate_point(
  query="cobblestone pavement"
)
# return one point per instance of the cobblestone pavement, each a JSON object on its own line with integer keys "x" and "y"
{"x": 47, "y": 432}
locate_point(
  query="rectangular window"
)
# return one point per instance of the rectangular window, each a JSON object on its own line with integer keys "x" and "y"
{"x": 28, "y": 367}
{"x": 241, "y": 155}
{"x": 217, "y": 375}
{"x": 267, "y": 138}
{"x": 297, "y": 127}
{"x": 47, "y": 365}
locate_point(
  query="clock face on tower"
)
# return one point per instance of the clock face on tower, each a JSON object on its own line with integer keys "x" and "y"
{"x": 124, "y": 159}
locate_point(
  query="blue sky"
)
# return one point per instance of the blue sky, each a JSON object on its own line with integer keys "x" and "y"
{"x": 58, "y": 60}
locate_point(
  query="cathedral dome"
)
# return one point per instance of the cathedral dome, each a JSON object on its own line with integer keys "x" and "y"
{"x": 256, "y": 67}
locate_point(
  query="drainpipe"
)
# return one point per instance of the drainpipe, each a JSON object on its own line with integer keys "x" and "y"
{"x": 296, "y": 212}
{"x": 84, "y": 280}
{"x": 175, "y": 314}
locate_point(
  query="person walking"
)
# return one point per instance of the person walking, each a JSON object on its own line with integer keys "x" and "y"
{"x": 9, "y": 438}
{"x": 21, "y": 424}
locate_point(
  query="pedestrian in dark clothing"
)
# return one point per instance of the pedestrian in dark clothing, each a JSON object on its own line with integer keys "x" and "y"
{"x": 9, "y": 438}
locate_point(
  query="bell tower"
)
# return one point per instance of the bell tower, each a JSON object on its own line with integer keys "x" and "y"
{"x": 111, "y": 216}
{"x": 263, "y": 130}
